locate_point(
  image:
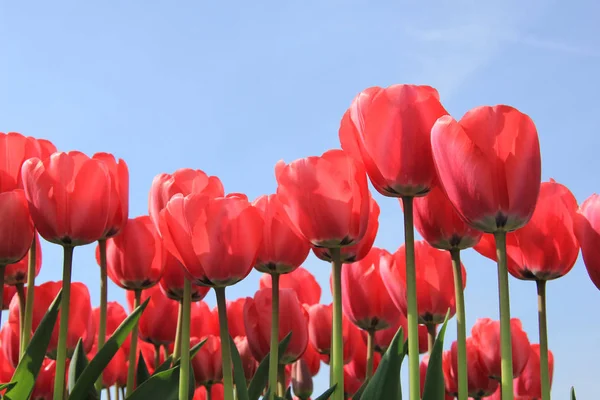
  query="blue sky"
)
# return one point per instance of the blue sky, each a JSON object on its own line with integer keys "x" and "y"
{"x": 231, "y": 88}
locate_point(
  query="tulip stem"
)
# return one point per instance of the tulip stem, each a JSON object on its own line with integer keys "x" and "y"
{"x": 108, "y": 393}
{"x": 544, "y": 367}
{"x": 157, "y": 351}
{"x": 411, "y": 293}
{"x": 461, "y": 329}
{"x": 61, "y": 353}
{"x": 177, "y": 345}
{"x": 184, "y": 376}
{"x": 31, "y": 264}
{"x": 370, "y": 353}
{"x": 103, "y": 302}
{"x": 21, "y": 294}
{"x": 281, "y": 380}
{"x": 225, "y": 345}
{"x": 117, "y": 392}
{"x": 2, "y": 268}
{"x": 133, "y": 347}
{"x": 273, "y": 355}
{"x": 431, "y": 334}
{"x": 337, "y": 348}
{"x": 505, "y": 334}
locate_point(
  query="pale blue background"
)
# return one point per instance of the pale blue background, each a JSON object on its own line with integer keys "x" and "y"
{"x": 231, "y": 88}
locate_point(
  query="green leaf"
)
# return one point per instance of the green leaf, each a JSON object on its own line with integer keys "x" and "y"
{"x": 288, "y": 394}
{"x": 142, "y": 374}
{"x": 327, "y": 394}
{"x": 76, "y": 367}
{"x": 261, "y": 376}
{"x": 193, "y": 351}
{"x": 164, "y": 366}
{"x": 7, "y": 385}
{"x": 385, "y": 383}
{"x": 434, "y": 379}
{"x": 164, "y": 386}
{"x": 239, "y": 377}
{"x": 31, "y": 361}
{"x": 91, "y": 373}
{"x": 360, "y": 391}
{"x": 573, "y": 393}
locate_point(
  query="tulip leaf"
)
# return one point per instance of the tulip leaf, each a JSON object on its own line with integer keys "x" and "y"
{"x": 164, "y": 386}
{"x": 434, "y": 378}
{"x": 33, "y": 358}
{"x": 91, "y": 373}
{"x": 261, "y": 376}
{"x": 7, "y": 385}
{"x": 326, "y": 394}
{"x": 238, "y": 372}
{"x": 385, "y": 383}
{"x": 164, "y": 366}
{"x": 360, "y": 391}
{"x": 573, "y": 393}
{"x": 193, "y": 351}
{"x": 76, "y": 367}
{"x": 142, "y": 374}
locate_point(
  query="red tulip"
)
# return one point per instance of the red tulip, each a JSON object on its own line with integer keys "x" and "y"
{"x": 587, "y": 224}
{"x": 111, "y": 372}
{"x": 16, "y": 230}
{"x": 16, "y": 273}
{"x": 301, "y": 281}
{"x": 319, "y": 331}
{"x": 489, "y": 165}
{"x": 158, "y": 322}
{"x": 9, "y": 340}
{"x": 351, "y": 382}
{"x": 302, "y": 382}
{"x": 529, "y": 383}
{"x": 486, "y": 337}
{"x": 384, "y": 337}
{"x": 546, "y": 248}
{"x": 292, "y": 318}
{"x": 44, "y": 381}
{"x": 184, "y": 181}
{"x": 217, "y": 240}
{"x": 6, "y": 368}
{"x": 358, "y": 365}
{"x": 479, "y": 382}
{"x": 68, "y": 196}
{"x": 135, "y": 259}
{"x": 365, "y": 299}
{"x": 312, "y": 359}
{"x": 235, "y": 317}
{"x": 16, "y": 149}
{"x": 148, "y": 351}
{"x": 423, "y": 373}
{"x": 216, "y": 392}
{"x": 115, "y": 315}
{"x": 326, "y": 198}
{"x": 439, "y": 224}
{"x": 249, "y": 364}
{"x": 282, "y": 250}
{"x": 204, "y": 322}
{"x": 388, "y": 129}
{"x": 118, "y": 197}
{"x": 435, "y": 282}
{"x": 357, "y": 251}
{"x": 173, "y": 278}
{"x": 207, "y": 363}
{"x": 7, "y": 295}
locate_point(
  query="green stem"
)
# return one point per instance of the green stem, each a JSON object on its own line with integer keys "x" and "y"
{"x": 273, "y": 355}
{"x": 544, "y": 367}
{"x": 157, "y": 351}
{"x": 30, "y": 293}
{"x": 225, "y": 345}
{"x": 117, "y": 392}
{"x": 21, "y": 294}
{"x": 411, "y": 293}
{"x": 61, "y": 353}
{"x": 184, "y": 376}
{"x": 337, "y": 348}
{"x": 281, "y": 380}
{"x": 123, "y": 392}
{"x": 177, "y": 345}
{"x": 505, "y": 335}
{"x": 370, "y": 353}
{"x": 133, "y": 347}
{"x": 108, "y": 393}
{"x": 103, "y": 302}
{"x": 461, "y": 329}
{"x": 2, "y": 268}
{"x": 431, "y": 333}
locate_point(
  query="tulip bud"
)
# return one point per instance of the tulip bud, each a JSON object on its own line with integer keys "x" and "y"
{"x": 302, "y": 382}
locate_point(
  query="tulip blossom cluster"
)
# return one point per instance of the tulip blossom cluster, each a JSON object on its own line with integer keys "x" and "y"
{"x": 468, "y": 183}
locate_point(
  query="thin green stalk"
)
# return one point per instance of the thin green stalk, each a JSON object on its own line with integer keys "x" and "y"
{"x": 108, "y": 393}
{"x": 544, "y": 367}
{"x": 370, "y": 353}
{"x": 337, "y": 348}
{"x": 505, "y": 336}
{"x": 123, "y": 392}
{"x": 61, "y": 353}
{"x": 2, "y": 268}
{"x": 177, "y": 345}
{"x": 133, "y": 347}
{"x": 30, "y": 294}
{"x": 184, "y": 376}
{"x": 117, "y": 392}
{"x": 225, "y": 349}
{"x": 21, "y": 294}
{"x": 273, "y": 355}
{"x": 281, "y": 380}
{"x": 103, "y": 301}
{"x": 461, "y": 328}
{"x": 431, "y": 334}
{"x": 157, "y": 351}
{"x": 411, "y": 293}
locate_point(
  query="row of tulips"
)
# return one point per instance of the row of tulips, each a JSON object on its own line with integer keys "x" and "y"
{"x": 468, "y": 183}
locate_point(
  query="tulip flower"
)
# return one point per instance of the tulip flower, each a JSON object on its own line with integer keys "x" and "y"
{"x": 479, "y": 383}
{"x": 365, "y": 362}
{"x": 351, "y": 382}
{"x": 486, "y": 336}
{"x": 44, "y": 381}
{"x": 213, "y": 392}
{"x": 529, "y": 383}
{"x": 587, "y": 228}
{"x": 158, "y": 322}
{"x": 16, "y": 274}
{"x": 328, "y": 202}
{"x": 423, "y": 373}
{"x": 249, "y": 363}
{"x": 111, "y": 372}
{"x": 302, "y": 382}
{"x": 7, "y": 295}
{"x": 235, "y": 316}
{"x": 115, "y": 315}
{"x": 9, "y": 340}
{"x": 319, "y": 332}
{"x": 172, "y": 281}
{"x": 207, "y": 363}
{"x": 384, "y": 337}
{"x": 301, "y": 281}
